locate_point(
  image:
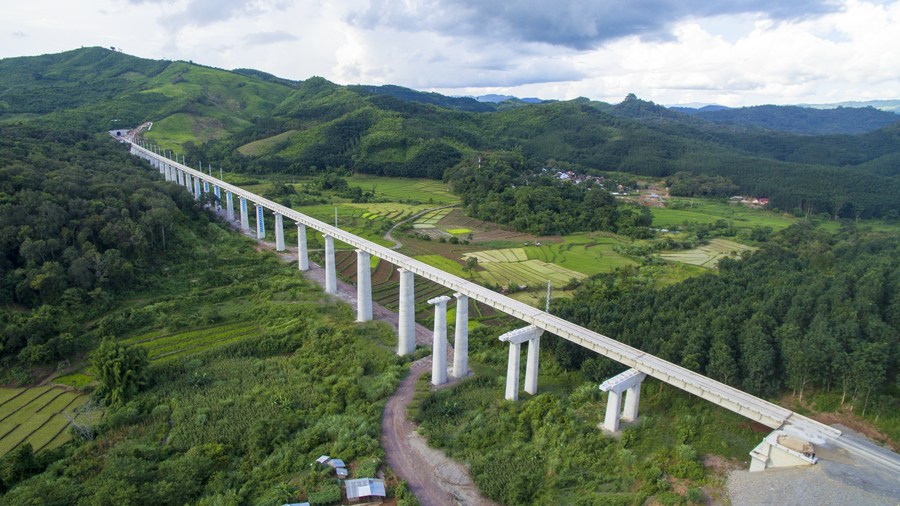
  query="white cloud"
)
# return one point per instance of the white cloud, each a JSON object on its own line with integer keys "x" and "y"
{"x": 739, "y": 56}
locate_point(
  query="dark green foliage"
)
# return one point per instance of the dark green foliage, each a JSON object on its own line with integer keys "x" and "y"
{"x": 398, "y": 132}
{"x": 809, "y": 309}
{"x": 685, "y": 184}
{"x": 120, "y": 370}
{"x": 499, "y": 187}
{"x": 79, "y": 221}
{"x": 804, "y": 120}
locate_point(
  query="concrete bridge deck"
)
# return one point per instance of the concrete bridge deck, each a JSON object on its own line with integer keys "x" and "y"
{"x": 752, "y": 407}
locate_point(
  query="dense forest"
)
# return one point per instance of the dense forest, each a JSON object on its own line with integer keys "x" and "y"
{"x": 801, "y": 120}
{"x": 257, "y": 122}
{"x": 499, "y": 187}
{"x": 78, "y": 224}
{"x": 97, "y": 248}
{"x": 810, "y": 311}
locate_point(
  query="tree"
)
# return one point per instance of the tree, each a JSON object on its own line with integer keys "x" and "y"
{"x": 121, "y": 371}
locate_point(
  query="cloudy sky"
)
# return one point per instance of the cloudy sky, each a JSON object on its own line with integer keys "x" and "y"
{"x": 733, "y": 52}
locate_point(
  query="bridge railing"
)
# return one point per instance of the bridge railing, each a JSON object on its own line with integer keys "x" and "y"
{"x": 738, "y": 401}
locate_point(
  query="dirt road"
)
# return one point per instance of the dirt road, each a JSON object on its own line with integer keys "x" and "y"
{"x": 435, "y": 479}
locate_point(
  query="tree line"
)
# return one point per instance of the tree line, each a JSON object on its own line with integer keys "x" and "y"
{"x": 809, "y": 311}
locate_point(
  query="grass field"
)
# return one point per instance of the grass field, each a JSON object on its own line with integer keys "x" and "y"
{"x": 585, "y": 253}
{"x": 707, "y": 255}
{"x": 166, "y": 347}
{"x": 36, "y": 415}
{"x": 511, "y": 267}
{"x": 401, "y": 189}
{"x": 710, "y": 211}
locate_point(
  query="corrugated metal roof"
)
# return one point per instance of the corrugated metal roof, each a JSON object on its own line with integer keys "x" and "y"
{"x": 365, "y": 487}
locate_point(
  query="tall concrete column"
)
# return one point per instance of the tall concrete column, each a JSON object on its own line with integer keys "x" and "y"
{"x": 363, "y": 286}
{"x": 279, "y": 232}
{"x": 531, "y": 366}
{"x": 439, "y": 341}
{"x": 197, "y": 193}
{"x": 218, "y": 192}
{"x": 407, "y": 326}
{"x": 330, "y": 270}
{"x": 515, "y": 338}
{"x": 229, "y": 206}
{"x": 205, "y": 186}
{"x": 245, "y": 220}
{"x": 461, "y": 337}
{"x": 629, "y": 383}
{"x": 178, "y": 177}
{"x": 613, "y": 411}
{"x": 512, "y": 372}
{"x": 260, "y": 222}
{"x": 302, "y": 252}
{"x": 632, "y": 400}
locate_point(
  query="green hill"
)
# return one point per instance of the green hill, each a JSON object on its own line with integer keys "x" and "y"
{"x": 264, "y": 123}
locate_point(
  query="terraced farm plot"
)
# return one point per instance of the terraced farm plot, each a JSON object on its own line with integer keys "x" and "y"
{"x": 36, "y": 415}
{"x": 431, "y": 219}
{"x": 166, "y": 347}
{"x": 582, "y": 253}
{"x": 526, "y": 273}
{"x": 498, "y": 255}
{"x": 405, "y": 189}
{"x": 708, "y": 255}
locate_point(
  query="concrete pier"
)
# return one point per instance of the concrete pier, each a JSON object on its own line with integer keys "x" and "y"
{"x": 629, "y": 383}
{"x": 302, "y": 251}
{"x": 407, "y": 326}
{"x": 218, "y": 193}
{"x": 461, "y": 337}
{"x": 330, "y": 269}
{"x": 279, "y": 232}
{"x": 245, "y": 219}
{"x": 515, "y": 338}
{"x": 229, "y": 206}
{"x": 260, "y": 222}
{"x": 531, "y": 365}
{"x": 363, "y": 286}
{"x": 439, "y": 341}
{"x": 197, "y": 193}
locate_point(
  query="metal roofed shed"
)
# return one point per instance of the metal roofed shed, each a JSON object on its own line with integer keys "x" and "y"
{"x": 341, "y": 472}
{"x": 323, "y": 460}
{"x": 364, "y": 488}
{"x": 336, "y": 463}
{"x": 296, "y": 504}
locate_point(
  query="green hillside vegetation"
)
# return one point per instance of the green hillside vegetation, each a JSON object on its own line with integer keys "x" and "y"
{"x": 221, "y": 116}
{"x": 203, "y": 305}
{"x": 804, "y": 120}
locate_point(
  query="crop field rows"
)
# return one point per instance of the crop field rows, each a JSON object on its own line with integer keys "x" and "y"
{"x": 431, "y": 219}
{"x": 707, "y": 255}
{"x": 167, "y": 347}
{"x": 498, "y": 255}
{"x": 36, "y": 415}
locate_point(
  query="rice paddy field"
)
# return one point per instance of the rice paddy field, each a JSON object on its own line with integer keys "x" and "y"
{"x": 710, "y": 211}
{"x": 512, "y": 267}
{"x": 708, "y": 255}
{"x": 162, "y": 347}
{"x": 37, "y": 415}
{"x": 400, "y": 189}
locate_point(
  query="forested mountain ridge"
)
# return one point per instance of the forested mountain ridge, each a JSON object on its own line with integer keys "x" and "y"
{"x": 800, "y": 120}
{"x": 259, "y": 122}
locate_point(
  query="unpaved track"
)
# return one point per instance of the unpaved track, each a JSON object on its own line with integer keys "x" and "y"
{"x": 435, "y": 479}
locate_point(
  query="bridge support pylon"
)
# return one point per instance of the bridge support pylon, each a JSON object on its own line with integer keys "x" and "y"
{"x": 279, "y": 232}
{"x": 330, "y": 270}
{"x": 515, "y": 338}
{"x": 302, "y": 252}
{"x": 406, "y": 331}
{"x": 439, "y": 341}
{"x": 461, "y": 337}
{"x": 363, "y": 286}
{"x": 260, "y": 222}
{"x": 629, "y": 383}
{"x": 245, "y": 219}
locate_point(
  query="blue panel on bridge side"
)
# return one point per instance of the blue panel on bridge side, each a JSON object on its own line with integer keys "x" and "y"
{"x": 244, "y": 206}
